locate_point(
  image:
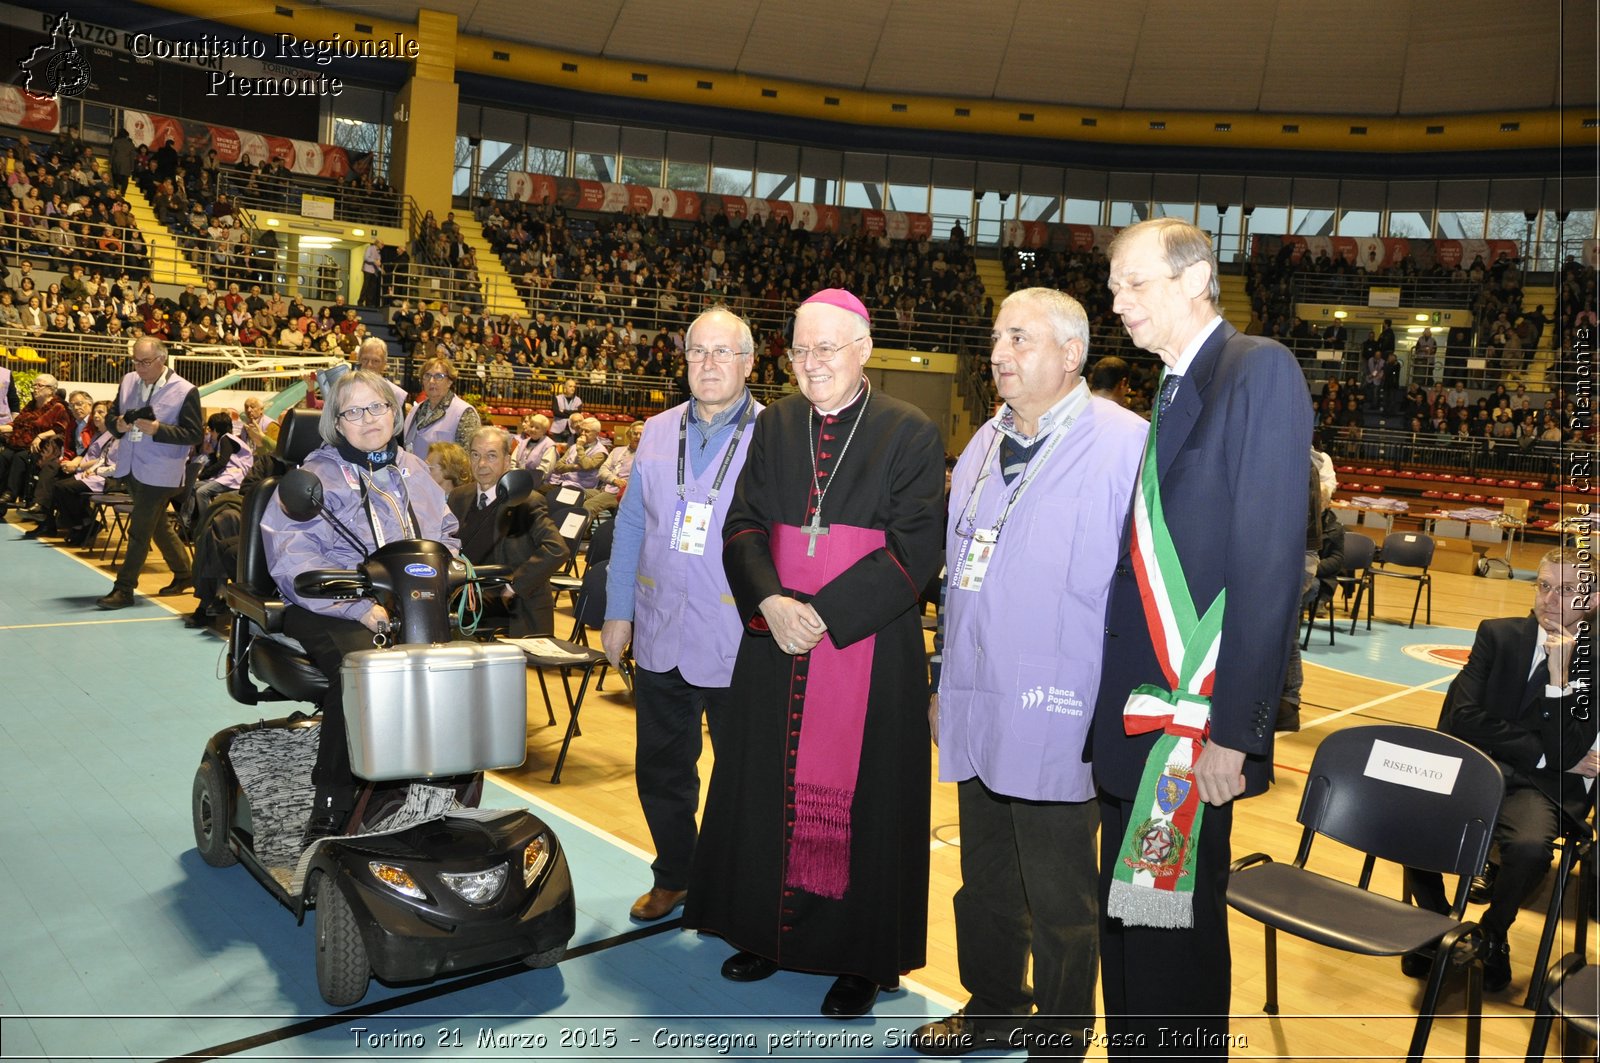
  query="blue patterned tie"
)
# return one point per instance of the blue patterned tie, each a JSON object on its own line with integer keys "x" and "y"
{"x": 1169, "y": 388}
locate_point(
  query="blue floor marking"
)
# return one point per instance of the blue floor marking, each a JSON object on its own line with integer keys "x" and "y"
{"x": 1380, "y": 653}
{"x": 121, "y": 942}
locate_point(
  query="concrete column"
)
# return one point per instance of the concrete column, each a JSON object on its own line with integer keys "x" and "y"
{"x": 422, "y": 148}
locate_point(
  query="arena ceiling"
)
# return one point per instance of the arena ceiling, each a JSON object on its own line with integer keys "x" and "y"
{"x": 1375, "y": 58}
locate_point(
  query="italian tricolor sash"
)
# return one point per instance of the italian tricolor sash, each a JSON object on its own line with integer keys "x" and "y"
{"x": 1152, "y": 884}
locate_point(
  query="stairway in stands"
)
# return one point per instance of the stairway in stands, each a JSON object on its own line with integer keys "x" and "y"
{"x": 1235, "y": 300}
{"x": 499, "y": 293}
{"x": 169, "y": 265}
{"x": 966, "y": 420}
{"x": 1544, "y": 358}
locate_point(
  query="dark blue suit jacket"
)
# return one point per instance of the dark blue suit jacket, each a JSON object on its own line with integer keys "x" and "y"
{"x": 1233, "y": 454}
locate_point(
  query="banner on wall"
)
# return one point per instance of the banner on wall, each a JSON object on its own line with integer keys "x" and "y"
{"x": 609, "y": 198}
{"x": 19, "y": 109}
{"x": 1374, "y": 253}
{"x": 242, "y": 146}
{"x": 1038, "y": 235}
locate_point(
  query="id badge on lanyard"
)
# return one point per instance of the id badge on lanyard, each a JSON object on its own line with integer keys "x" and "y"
{"x": 691, "y": 525}
{"x": 976, "y": 556}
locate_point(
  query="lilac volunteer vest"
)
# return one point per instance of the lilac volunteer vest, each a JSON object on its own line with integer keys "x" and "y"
{"x": 441, "y": 431}
{"x": 238, "y": 465}
{"x": 683, "y": 613}
{"x": 1022, "y": 654}
{"x": 529, "y": 455}
{"x": 149, "y": 462}
{"x": 6, "y": 412}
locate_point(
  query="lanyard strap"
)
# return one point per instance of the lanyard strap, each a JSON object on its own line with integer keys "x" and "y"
{"x": 401, "y": 514}
{"x": 727, "y": 457}
{"x": 969, "y": 516}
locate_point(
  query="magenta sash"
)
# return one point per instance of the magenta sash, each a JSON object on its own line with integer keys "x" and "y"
{"x": 832, "y": 717}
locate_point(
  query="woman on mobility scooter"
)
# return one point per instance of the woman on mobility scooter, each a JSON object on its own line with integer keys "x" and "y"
{"x": 374, "y": 492}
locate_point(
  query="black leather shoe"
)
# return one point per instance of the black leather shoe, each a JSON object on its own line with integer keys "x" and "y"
{"x": 178, "y": 585}
{"x": 1478, "y": 892}
{"x": 1496, "y": 962}
{"x": 326, "y": 824}
{"x": 850, "y": 998}
{"x": 117, "y": 599}
{"x": 198, "y": 619}
{"x": 748, "y": 967}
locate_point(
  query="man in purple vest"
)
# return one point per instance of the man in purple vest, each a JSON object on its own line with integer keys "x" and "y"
{"x": 157, "y": 416}
{"x": 1036, "y": 510}
{"x": 665, "y": 589}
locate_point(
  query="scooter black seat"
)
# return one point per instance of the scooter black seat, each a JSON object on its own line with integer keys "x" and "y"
{"x": 285, "y": 670}
{"x": 256, "y": 649}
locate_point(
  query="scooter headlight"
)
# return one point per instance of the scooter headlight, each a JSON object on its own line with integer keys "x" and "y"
{"x": 477, "y": 887}
{"x": 534, "y": 858}
{"x": 397, "y": 879}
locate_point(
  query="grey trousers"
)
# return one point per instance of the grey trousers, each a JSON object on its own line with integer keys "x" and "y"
{"x": 147, "y": 521}
{"x": 1028, "y": 887}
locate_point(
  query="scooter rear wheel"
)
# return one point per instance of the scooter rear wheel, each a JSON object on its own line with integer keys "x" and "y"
{"x": 213, "y": 811}
{"x": 343, "y": 970}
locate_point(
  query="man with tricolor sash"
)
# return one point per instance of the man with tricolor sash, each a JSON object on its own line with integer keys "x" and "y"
{"x": 1195, "y": 656}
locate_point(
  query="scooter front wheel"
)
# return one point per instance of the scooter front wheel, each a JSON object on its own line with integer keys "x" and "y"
{"x": 213, "y": 811}
{"x": 547, "y": 958}
{"x": 343, "y": 970}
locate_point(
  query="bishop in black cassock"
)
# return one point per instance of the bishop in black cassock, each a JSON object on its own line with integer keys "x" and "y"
{"x": 813, "y": 854}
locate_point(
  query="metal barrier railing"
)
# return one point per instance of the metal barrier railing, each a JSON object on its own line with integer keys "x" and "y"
{"x": 1353, "y": 288}
{"x": 274, "y": 194}
{"x": 1476, "y": 455}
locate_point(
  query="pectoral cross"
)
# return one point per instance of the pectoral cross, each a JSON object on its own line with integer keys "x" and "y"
{"x": 811, "y": 531}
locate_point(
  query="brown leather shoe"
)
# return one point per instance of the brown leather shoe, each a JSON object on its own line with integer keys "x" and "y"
{"x": 656, "y": 904}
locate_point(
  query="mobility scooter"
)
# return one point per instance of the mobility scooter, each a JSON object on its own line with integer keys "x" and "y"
{"x": 423, "y": 883}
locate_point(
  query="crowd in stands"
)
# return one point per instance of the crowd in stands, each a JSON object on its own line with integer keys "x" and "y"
{"x": 1508, "y": 331}
{"x": 57, "y": 205}
{"x": 661, "y": 272}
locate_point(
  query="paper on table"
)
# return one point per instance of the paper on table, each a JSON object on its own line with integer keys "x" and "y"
{"x": 543, "y": 647}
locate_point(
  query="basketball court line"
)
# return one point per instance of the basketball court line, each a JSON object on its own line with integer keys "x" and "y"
{"x": 1377, "y": 701}
{"x": 611, "y": 839}
{"x": 87, "y": 623}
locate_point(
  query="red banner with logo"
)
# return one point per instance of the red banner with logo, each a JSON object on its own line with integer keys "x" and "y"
{"x": 608, "y": 198}
{"x": 238, "y": 146}
{"x": 17, "y": 108}
{"x": 1377, "y": 253}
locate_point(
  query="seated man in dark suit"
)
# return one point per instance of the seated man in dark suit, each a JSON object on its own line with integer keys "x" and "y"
{"x": 1525, "y": 698}
{"x": 524, "y": 537}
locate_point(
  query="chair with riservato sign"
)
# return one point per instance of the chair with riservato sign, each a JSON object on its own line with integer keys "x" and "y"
{"x": 1410, "y": 795}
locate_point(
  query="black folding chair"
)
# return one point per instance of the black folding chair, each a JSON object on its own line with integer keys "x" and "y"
{"x": 1576, "y": 845}
{"x": 1355, "y": 582}
{"x": 1411, "y": 795}
{"x": 1574, "y": 996}
{"x": 1408, "y": 550}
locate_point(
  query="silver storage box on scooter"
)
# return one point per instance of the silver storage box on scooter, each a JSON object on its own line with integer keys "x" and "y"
{"x": 413, "y": 711}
